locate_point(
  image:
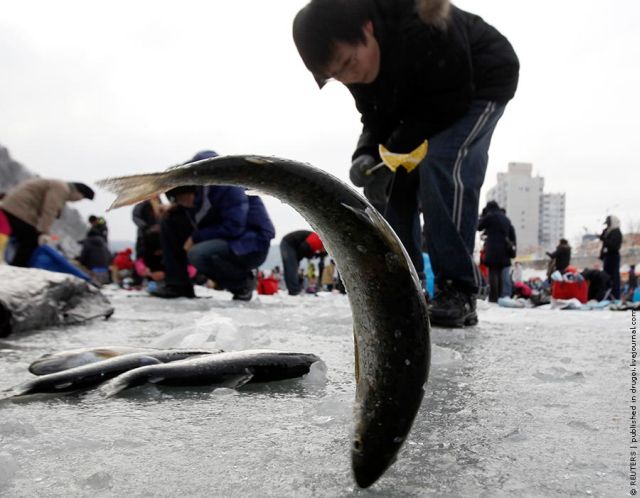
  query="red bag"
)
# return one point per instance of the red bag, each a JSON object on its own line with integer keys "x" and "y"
{"x": 569, "y": 290}
{"x": 267, "y": 286}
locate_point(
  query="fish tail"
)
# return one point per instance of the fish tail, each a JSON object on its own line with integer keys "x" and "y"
{"x": 137, "y": 188}
{"x": 12, "y": 393}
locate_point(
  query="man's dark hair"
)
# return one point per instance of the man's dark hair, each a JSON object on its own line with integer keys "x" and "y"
{"x": 322, "y": 23}
{"x": 86, "y": 191}
{"x": 564, "y": 241}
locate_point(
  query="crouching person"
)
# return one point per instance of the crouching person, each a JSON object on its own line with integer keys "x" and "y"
{"x": 221, "y": 231}
{"x": 30, "y": 209}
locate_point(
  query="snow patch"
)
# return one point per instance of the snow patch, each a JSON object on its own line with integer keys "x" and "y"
{"x": 8, "y": 468}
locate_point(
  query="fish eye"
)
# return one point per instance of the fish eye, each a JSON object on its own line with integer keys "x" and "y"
{"x": 357, "y": 445}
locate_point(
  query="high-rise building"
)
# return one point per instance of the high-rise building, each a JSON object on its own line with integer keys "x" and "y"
{"x": 538, "y": 218}
{"x": 552, "y": 209}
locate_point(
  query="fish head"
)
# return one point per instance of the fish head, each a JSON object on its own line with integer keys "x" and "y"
{"x": 378, "y": 436}
{"x": 56, "y": 362}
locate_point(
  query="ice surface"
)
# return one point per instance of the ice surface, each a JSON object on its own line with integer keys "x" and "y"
{"x": 531, "y": 402}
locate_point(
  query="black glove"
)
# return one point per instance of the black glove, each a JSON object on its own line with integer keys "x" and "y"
{"x": 359, "y": 167}
{"x": 377, "y": 191}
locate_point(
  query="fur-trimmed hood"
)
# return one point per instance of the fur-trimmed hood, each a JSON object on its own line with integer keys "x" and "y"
{"x": 434, "y": 12}
{"x": 613, "y": 223}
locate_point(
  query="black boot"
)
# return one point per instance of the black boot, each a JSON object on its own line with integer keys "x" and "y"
{"x": 452, "y": 307}
{"x": 246, "y": 292}
{"x": 169, "y": 291}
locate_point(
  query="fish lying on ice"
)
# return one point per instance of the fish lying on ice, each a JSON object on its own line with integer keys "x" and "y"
{"x": 234, "y": 368}
{"x": 87, "y": 376}
{"x": 62, "y": 360}
{"x": 391, "y": 324}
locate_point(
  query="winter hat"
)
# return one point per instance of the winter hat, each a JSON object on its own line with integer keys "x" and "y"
{"x": 183, "y": 189}
{"x": 492, "y": 206}
{"x": 314, "y": 242}
{"x": 612, "y": 221}
{"x": 203, "y": 154}
{"x": 85, "y": 190}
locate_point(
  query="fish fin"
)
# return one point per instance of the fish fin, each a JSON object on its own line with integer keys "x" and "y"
{"x": 359, "y": 212}
{"x": 236, "y": 381}
{"x": 146, "y": 361}
{"x": 114, "y": 386}
{"x": 373, "y": 218}
{"x": 63, "y": 385}
{"x": 357, "y": 357}
{"x": 136, "y": 188}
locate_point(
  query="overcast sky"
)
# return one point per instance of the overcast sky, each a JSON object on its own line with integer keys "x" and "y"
{"x": 95, "y": 89}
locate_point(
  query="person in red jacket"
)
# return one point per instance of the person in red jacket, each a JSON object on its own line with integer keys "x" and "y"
{"x": 121, "y": 265}
{"x": 296, "y": 246}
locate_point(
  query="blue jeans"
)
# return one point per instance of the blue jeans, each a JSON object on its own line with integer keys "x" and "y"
{"x": 447, "y": 189}
{"x": 214, "y": 259}
{"x": 507, "y": 283}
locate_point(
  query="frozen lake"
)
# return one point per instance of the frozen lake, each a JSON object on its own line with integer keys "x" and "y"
{"x": 531, "y": 402}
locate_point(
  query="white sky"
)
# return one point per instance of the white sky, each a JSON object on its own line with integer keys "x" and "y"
{"x": 89, "y": 90}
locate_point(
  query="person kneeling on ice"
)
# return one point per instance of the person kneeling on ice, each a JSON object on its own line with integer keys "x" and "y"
{"x": 223, "y": 232}
{"x": 30, "y": 209}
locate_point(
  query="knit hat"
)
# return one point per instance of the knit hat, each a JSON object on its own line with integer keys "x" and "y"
{"x": 183, "y": 189}
{"x": 315, "y": 243}
{"x": 203, "y": 154}
{"x": 85, "y": 190}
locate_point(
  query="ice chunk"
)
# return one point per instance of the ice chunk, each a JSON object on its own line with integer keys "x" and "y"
{"x": 444, "y": 357}
{"x": 98, "y": 481}
{"x": 317, "y": 375}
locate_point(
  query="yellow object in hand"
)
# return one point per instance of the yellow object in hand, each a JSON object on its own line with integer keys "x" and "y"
{"x": 4, "y": 241}
{"x": 409, "y": 160}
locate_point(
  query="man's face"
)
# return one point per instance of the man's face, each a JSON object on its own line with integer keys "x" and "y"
{"x": 356, "y": 63}
{"x": 186, "y": 200}
{"x": 75, "y": 196}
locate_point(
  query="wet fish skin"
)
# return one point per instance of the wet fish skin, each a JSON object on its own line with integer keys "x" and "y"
{"x": 63, "y": 360}
{"x": 239, "y": 367}
{"x": 87, "y": 376}
{"x": 391, "y": 324}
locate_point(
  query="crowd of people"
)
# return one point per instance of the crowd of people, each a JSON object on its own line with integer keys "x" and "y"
{"x": 601, "y": 282}
{"x": 423, "y": 74}
{"x": 213, "y": 235}
{"x": 220, "y": 236}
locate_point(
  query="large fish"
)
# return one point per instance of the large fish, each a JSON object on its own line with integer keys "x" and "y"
{"x": 62, "y": 360}
{"x": 87, "y": 376}
{"x": 391, "y": 324}
{"x": 234, "y": 367}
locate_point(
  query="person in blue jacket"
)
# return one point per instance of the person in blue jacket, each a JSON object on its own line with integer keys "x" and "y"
{"x": 220, "y": 230}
